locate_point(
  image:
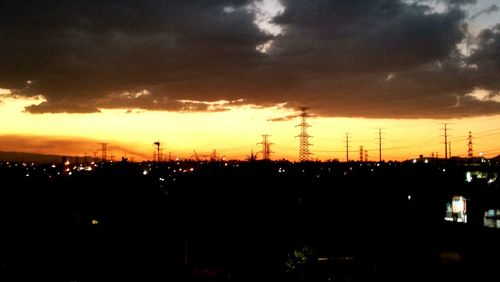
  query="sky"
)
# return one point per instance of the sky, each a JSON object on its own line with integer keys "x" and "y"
{"x": 205, "y": 75}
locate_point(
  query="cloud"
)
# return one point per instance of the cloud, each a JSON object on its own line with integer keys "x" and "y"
{"x": 62, "y": 106}
{"x": 284, "y": 118}
{"x": 333, "y": 56}
{"x": 459, "y": 2}
{"x": 485, "y": 59}
{"x": 488, "y": 10}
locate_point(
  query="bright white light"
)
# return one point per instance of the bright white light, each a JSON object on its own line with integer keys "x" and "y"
{"x": 468, "y": 177}
{"x": 414, "y": 161}
{"x": 458, "y": 204}
{"x": 144, "y": 172}
{"x": 426, "y": 161}
{"x": 409, "y": 197}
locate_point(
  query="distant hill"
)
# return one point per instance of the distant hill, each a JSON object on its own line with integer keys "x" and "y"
{"x": 30, "y": 157}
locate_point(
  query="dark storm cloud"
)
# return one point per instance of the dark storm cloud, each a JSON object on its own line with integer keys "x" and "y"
{"x": 459, "y": 2}
{"x": 77, "y": 50}
{"x": 379, "y": 59}
{"x": 366, "y": 36}
{"x": 486, "y": 58}
{"x": 372, "y": 58}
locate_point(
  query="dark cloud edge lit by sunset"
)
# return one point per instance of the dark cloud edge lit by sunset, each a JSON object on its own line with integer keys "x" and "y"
{"x": 370, "y": 58}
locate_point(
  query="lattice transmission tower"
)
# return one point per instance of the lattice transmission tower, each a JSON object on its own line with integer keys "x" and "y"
{"x": 469, "y": 149}
{"x": 304, "y": 152}
{"x": 266, "y": 147}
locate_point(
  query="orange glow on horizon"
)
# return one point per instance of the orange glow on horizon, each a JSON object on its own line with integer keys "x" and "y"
{"x": 235, "y": 133}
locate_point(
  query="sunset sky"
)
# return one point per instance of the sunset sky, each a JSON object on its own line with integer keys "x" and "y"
{"x": 217, "y": 74}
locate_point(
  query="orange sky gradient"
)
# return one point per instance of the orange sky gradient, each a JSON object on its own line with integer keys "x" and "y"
{"x": 234, "y": 133}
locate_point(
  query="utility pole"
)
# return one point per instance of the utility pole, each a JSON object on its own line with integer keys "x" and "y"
{"x": 366, "y": 155}
{"x": 347, "y": 147}
{"x": 157, "y": 143}
{"x": 380, "y": 144}
{"x": 445, "y": 140}
{"x": 361, "y": 151}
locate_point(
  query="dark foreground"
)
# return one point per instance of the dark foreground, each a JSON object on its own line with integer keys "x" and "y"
{"x": 246, "y": 221}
